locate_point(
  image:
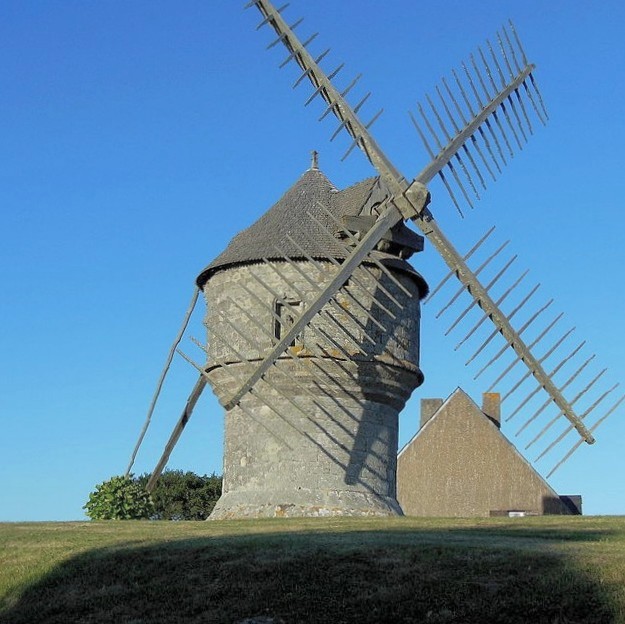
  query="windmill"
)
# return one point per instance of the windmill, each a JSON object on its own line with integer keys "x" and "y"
{"x": 313, "y": 339}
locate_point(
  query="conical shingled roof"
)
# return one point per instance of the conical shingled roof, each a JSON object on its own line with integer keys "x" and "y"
{"x": 313, "y": 194}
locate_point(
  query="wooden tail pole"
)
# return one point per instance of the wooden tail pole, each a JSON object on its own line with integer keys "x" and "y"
{"x": 175, "y": 434}
{"x": 161, "y": 380}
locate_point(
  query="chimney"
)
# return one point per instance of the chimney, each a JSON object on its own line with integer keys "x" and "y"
{"x": 429, "y": 407}
{"x": 491, "y": 406}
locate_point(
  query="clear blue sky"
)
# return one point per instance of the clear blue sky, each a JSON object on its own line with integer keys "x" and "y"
{"x": 138, "y": 138}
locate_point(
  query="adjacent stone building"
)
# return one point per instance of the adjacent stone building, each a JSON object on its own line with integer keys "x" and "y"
{"x": 460, "y": 464}
{"x": 318, "y": 435}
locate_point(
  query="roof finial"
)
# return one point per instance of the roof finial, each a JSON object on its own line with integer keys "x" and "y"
{"x": 314, "y": 161}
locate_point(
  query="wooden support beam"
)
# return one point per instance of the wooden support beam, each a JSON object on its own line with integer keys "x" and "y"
{"x": 175, "y": 434}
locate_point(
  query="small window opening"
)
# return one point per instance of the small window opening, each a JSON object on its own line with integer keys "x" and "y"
{"x": 287, "y": 312}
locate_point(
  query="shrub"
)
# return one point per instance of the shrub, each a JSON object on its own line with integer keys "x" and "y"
{"x": 182, "y": 495}
{"x": 119, "y": 498}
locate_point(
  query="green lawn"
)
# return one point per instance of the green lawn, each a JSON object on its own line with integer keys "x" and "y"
{"x": 547, "y": 569}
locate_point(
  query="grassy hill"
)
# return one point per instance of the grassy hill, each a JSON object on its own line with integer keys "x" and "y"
{"x": 545, "y": 569}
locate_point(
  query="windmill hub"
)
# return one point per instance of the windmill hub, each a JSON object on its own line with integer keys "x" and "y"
{"x": 415, "y": 199}
{"x": 318, "y": 436}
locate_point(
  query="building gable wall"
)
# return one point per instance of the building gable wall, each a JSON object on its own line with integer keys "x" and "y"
{"x": 460, "y": 464}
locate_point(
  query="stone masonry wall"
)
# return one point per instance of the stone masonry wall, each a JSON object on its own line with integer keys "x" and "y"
{"x": 318, "y": 436}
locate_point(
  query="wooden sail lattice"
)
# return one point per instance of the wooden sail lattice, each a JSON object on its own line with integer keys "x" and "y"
{"x": 478, "y": 118}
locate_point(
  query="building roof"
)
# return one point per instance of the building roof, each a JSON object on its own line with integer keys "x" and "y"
{"x": 298, "y": 225}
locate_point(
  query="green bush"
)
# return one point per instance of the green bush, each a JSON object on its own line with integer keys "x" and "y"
{"x": 119, "y": 498}
{"x": 182, "y": 495}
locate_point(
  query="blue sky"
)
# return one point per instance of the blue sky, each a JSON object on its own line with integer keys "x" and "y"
{"x": 138, "y": 138}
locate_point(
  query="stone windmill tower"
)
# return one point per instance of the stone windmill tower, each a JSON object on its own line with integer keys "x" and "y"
{"x": 321, "y": 437}
{"x": 313, "y": 312}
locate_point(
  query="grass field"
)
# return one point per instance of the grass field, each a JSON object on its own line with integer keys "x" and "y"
{"x": 545, "y": 569}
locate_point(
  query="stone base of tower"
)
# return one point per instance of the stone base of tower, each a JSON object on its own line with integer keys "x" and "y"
{"x": 302, "y": 504}
{"x": 330, "y": 451}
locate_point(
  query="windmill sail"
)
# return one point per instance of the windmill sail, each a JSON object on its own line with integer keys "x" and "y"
{"x": 495, "y": 114}
{"x": 476, "y": 121}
